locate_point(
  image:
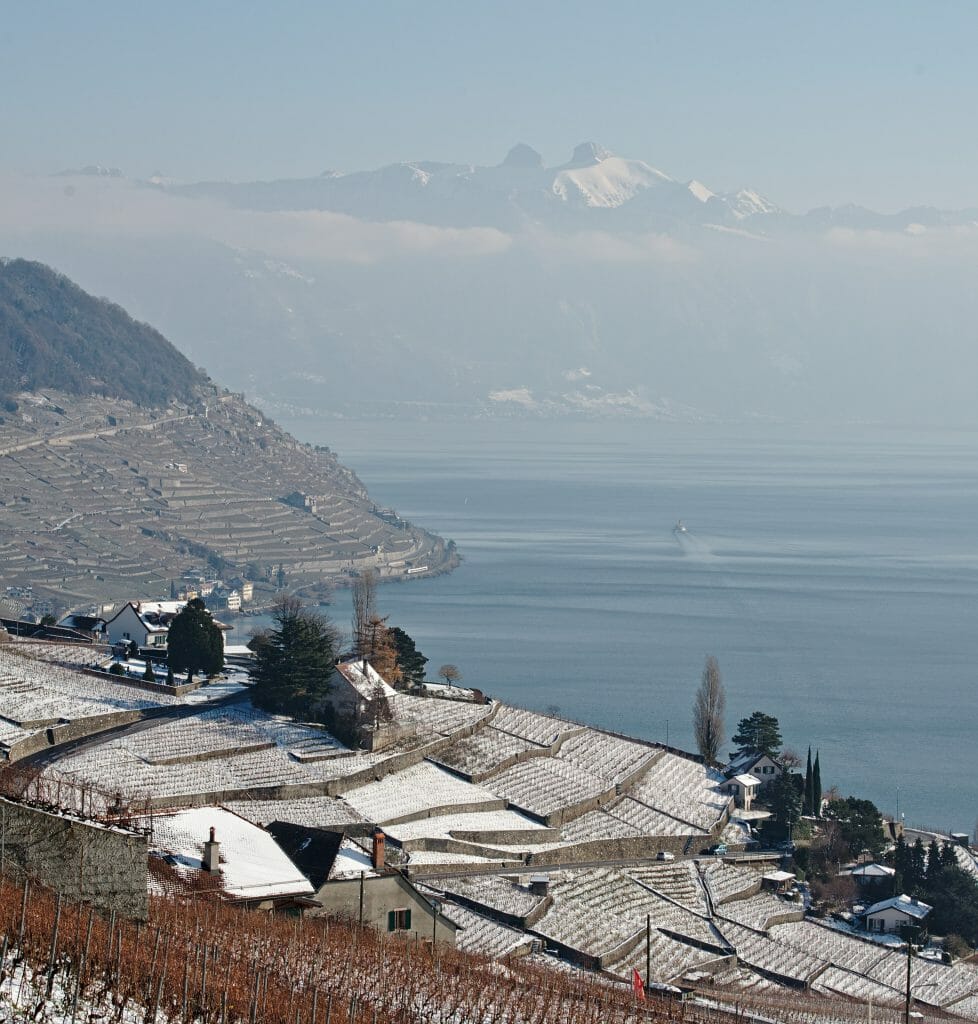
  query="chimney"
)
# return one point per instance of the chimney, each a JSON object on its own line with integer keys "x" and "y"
{"x": 212, "y": 854}
{"x": 378, "y": 851}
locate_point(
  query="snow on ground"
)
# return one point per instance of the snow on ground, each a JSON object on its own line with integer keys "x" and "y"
{"x": 529, "y": 725}
{"x": 447, "y": 826}
{"x": 414, "y": 791}
{"x": 135, "y": 763}
{"x": 501, "y": 894}
{"x": 484, "y": 751}
{"x": 478, "y": 934}
{"x": 544, "y": 785}
{"x": 684, "y": 789}
{"x": 312, "y": 811}
{"x": 428, "y": 858}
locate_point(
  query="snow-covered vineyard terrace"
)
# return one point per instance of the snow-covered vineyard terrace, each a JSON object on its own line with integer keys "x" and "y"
{"x": 533, "y": 833}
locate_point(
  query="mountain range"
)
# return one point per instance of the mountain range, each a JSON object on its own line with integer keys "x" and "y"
{"x": 602, "y": 286}
{"x": 595, "y": 187}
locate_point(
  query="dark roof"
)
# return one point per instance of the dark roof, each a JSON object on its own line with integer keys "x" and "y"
{"x": 312, "y": 850}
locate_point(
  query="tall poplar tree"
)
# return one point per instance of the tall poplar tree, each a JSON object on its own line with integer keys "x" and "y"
{"x": 708, "y": 707}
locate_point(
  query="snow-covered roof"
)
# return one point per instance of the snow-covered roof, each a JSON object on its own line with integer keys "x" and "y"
{"x": 252, "y": 864}
{"x": 778, "y": 876}
{"x": 351, "y": 862}
{"x": 747, "y": 780}
{"x": 871, "y": 871}
{"x": 365, "y": 683}
{"x": 903, "y": 903}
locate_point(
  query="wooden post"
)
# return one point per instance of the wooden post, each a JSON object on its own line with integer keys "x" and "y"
{"x": 648, "y": 949}
{"x": 53, "y": 955}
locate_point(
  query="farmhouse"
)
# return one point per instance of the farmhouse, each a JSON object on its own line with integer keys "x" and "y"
{"x": 763, "y": 767}
{"x": 895, "y": 913}
{"x": 212, "y": 849}
{"x": 743, "y": 788}
{"x": 351, "y": 884}
{"x": 147, "y": 623}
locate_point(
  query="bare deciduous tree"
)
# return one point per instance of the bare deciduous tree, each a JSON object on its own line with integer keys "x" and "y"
{"x": 450, "y": 674}
{"x": 364, "y": 609}
{"x": 708, "y": 708}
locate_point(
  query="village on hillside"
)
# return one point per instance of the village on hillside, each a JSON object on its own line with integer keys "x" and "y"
{"x": 436, "y": 812}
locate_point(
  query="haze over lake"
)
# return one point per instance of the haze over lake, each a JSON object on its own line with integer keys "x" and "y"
{"x": 835, "y": 578}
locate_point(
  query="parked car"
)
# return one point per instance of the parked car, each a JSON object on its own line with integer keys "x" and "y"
{"x": 665, "y": 855}
{"x": 718, "y": 849}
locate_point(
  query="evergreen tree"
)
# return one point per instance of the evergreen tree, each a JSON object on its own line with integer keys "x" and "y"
{"x": 916, "y": 873}
{"x": 294, "y": 662}
{"x": 148, "y": 674}
{"x": 859, "y": 825}
{"x": 817, "y": 787}
{"x": 808, "y": 804}
{"x": 409, "y": 659}
{"x": 934, "y": 863}
{"x": 784, "y": 797}
{"x": 760, "y": 733}
{"x": 948, "y": 857}
{"x": 194, "y": 642}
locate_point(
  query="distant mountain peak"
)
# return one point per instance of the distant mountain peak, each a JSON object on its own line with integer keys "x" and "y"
{"x": 92, "y": 170}
{"x": 588, "y": 153}
{"x": 522, "y": 155}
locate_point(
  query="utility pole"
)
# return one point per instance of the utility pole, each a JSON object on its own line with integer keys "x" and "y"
{"x": 648, "y": 949}
{"x": 362, "y": 873}
{"x": 909, "y": 930}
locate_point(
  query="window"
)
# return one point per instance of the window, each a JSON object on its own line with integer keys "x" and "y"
{"x": 399, "y": 920}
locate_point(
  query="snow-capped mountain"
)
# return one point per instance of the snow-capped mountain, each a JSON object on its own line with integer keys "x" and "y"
{"x": 601, "y": 285}
{"x": 520, "y": 188}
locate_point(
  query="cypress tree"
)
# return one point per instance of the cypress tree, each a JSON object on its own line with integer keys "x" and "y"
{"x": 934, "y": 863}
{"x": 817, "y": 788}
{"x": 808, "y": 806}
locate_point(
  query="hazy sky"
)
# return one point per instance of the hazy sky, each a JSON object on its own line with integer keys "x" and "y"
{"x": 809, "y": 103}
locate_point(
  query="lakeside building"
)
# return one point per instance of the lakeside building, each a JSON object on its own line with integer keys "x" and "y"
{"x": 147, "y": 623}
{"x": 896, "y": 913}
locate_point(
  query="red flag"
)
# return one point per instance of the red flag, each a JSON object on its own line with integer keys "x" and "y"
{"x": 637, "y": 987}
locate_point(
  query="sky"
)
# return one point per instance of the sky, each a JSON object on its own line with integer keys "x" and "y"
{"x": 810, "y": 104}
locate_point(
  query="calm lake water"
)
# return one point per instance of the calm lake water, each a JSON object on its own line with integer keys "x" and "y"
{"x": 835, "y": 578}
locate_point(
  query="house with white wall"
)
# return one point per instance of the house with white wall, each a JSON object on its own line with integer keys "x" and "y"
{"x": 895, "y": 913}
{"x": 147, "y": 623}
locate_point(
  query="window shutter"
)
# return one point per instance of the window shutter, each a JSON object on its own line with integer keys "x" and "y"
{"x": 391, "y": 920}
{"x": 407, "y": 919}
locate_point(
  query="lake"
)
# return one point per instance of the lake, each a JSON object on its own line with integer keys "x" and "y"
{"x": 834, "y": 576}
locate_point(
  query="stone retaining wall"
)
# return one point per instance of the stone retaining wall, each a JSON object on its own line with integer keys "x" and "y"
{"x": 87, "y": 862}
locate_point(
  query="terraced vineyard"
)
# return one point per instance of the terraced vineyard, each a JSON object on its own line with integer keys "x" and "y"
{"x": 103, "y": 500}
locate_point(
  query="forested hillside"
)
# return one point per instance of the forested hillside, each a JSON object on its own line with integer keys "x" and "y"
{"x": 54, "y": 335}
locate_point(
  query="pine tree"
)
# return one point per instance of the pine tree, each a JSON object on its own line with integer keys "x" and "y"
{"x": 817, "y": 787}
{"x": 194, "y": 641}
{"x": 294, "y": 662}
{"x": 808, "y": 803}
{"x": 759, "y": 733}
